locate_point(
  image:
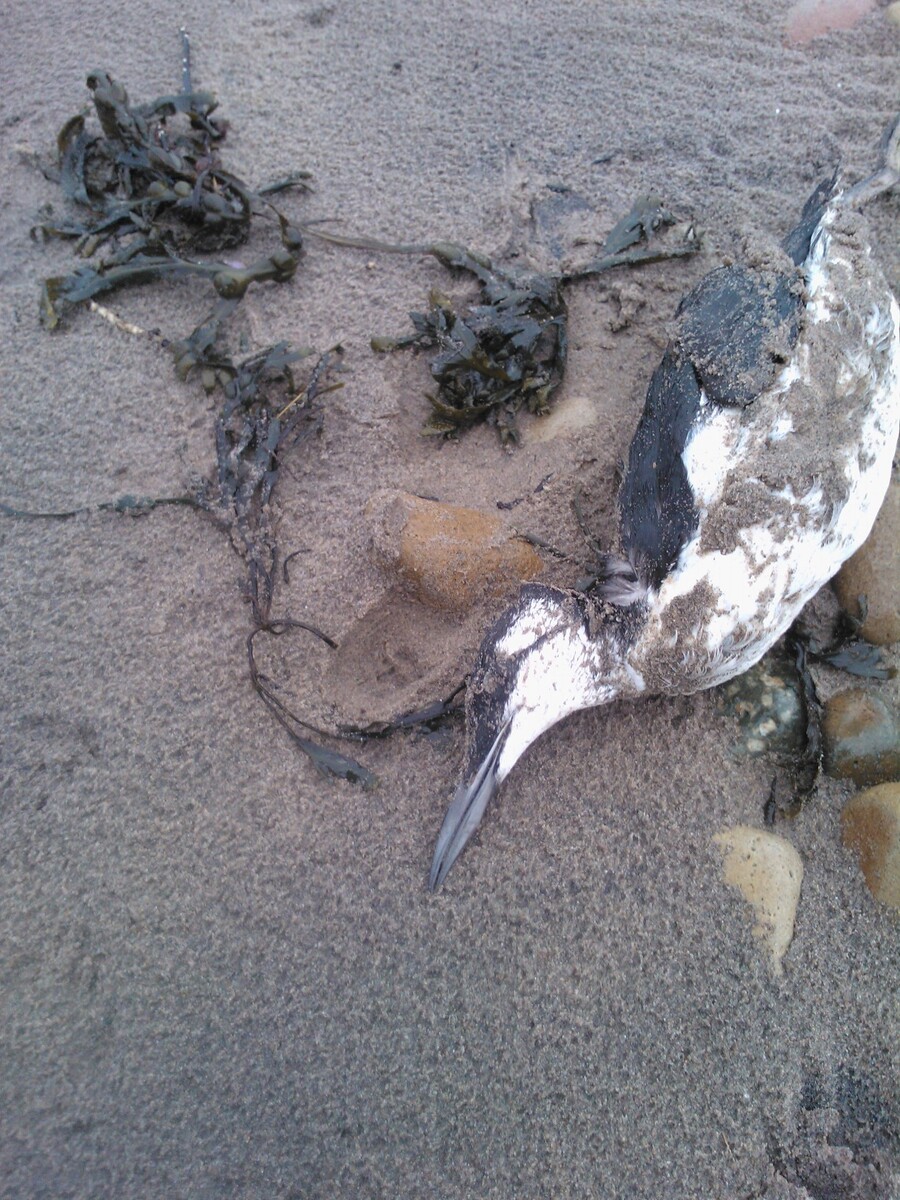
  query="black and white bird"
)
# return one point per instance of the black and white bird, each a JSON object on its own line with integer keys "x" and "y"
{"x": 760, "y": 461}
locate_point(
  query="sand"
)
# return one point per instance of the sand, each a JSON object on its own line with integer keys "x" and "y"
{"x": 221, "y": 975}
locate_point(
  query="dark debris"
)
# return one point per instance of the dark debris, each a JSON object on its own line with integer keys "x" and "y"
{"x": 155, "y": 195}
{"x": 149, "y": 188}
{"x": 848, "y": 650}
{"x": 508, "y": 352}
{"x": 501, "y": 355}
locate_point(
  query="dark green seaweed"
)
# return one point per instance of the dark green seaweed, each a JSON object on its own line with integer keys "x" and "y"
{"x": 508, "y": 352}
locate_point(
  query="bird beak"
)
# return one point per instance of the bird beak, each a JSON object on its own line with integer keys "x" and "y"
{"x": 465, "y": 812}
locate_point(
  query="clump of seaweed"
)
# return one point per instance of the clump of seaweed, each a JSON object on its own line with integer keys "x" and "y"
{"x": 848, "y": 650}
{"x": 266, "y": 413}
{"x": 150, "y": 188}
{"x": 508, "y": 352}
{"x": 155, "y": 195}
{"x": 501, "y": 355}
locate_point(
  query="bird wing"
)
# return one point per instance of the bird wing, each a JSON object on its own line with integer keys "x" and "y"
{"x": 656, "y": 502}
{"x": 733, "y": 333}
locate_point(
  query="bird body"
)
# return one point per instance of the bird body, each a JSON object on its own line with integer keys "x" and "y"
{"x": 758, "y": 467}
{"x": 786, "y": 488}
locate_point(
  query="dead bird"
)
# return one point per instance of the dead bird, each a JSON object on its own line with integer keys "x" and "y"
{"x": 758, "y": 466}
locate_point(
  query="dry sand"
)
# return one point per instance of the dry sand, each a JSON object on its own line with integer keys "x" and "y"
{"x": 220, "y": 974}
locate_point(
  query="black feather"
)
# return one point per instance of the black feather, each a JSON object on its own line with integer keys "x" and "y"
{"x": 797, "y": 243}
{"x": 656, "y": 502}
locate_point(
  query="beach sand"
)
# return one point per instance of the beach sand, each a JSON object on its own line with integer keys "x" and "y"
{"x": 221, "y": 974}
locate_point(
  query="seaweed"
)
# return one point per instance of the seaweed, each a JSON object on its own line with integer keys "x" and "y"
{"x": 266, "y": 413}
{"x": 809, "y": 765}
{"x": 848, "y": 650}
{"x": 134, "y": 506}
{"x": 508, "y": 352}
{"x": 429, "y": 719}
{"x": 253, "y": 431}
{"x": 155, "y": 195}
{"x": 643, "y": 219}
{"x": 501, "y": 355}
{"x": 856, "y": 656}
{"x": 150, "y": 187}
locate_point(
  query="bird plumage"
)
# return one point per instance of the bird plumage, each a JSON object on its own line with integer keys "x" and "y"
{"x": 758, "y": 466}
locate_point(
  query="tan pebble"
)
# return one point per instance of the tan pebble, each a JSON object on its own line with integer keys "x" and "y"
{"x": 893, "y": 12}
{"x": 871, "y": 827}
{"x": 874, "y": 572}
{"x": 452, "y": 556}
{"x": 862, "y": 739}
{"x": 567, "y": 417}
{"x": 768, "y": 872}
{"x": 808, "y": 19}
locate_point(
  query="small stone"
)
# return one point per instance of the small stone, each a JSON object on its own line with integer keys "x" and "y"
{"x": 452, "y": 556}
{"x": 871, "y": 826}
{"x": 874, "y": 572}
{"x": 808, "y": 19}
{"x": 765, "y": 705}
{"x": 862, "y": 738}
{"x": 567, "y": 418}
{"x": 769, "y": 873}
{"x": 893, "y": 12}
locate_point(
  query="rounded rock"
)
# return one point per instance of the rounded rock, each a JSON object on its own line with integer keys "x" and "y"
{"x": 769, "y": 873}
{"x": 874, "y": 572}
{"x": 451, "y": 556}
{"x": 870, "y": 825}
{"x": 862, "y": 739}
{"x": 765, "y": 704}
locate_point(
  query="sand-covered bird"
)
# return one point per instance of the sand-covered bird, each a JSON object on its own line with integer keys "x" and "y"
{"x": 759, "y": 464}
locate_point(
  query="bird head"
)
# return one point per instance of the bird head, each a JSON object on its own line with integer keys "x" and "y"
{"x": 549, "y": 655}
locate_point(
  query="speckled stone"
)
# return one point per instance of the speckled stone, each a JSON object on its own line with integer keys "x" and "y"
{"x": 450, "y": 556}
{"x": 862, "y": 738}
{"x": 874, "y": 572}
{"x": 871, "y": 826}
{"x": 769, "y": 873}
{"x": 765, "y": 703}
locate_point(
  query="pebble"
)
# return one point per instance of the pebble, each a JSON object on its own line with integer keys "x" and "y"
{"x": 874, "y": 572}
{"x": 567, "y": 418}
{"x": 769, "y": 873}
{"x": 452, "y": 557}
{"x": 862, "y": 738}
{"x": 871, "y": 826}
{"x": 765, "y": 702}
{"x": 808, "y": 19}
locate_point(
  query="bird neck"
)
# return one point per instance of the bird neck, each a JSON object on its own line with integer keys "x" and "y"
{"x": 610, "y": 631}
